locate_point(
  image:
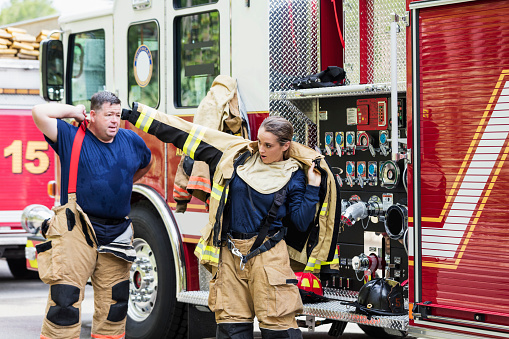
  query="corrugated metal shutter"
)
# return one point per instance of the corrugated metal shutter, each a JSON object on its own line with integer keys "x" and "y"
{"x": 464, "y": 111}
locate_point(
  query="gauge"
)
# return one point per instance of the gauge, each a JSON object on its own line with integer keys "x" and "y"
{"x": 350, "y": 168}
{"x": 339, "y": 139}
{"x": 361, "y": 168}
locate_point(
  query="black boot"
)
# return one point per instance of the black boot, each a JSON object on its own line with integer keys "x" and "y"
{"x": 234, "y": 331}
{"x": 291, "y": 333}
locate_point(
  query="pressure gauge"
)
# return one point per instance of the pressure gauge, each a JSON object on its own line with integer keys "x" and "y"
{"x": 350, "y": 139}
{"x": 340, "y": 140}
{"x": 350, "y": 168}
{"x": 361, "y": 169}
{"x": 384, "y": 135}
{"x": 372, "y": 173}
{"x": 328, "y": 138}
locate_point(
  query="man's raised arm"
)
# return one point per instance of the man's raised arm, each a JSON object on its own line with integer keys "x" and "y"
{"x": 45, "y": 116}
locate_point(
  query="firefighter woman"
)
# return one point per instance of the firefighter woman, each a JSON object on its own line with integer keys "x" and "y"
{"x": 255, "y": 186}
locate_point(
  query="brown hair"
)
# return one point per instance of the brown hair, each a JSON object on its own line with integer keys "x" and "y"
{"x": 281, "y": 128}
{"x": 99, "y": 98}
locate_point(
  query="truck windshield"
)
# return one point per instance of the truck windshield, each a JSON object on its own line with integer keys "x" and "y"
{"x": 88, "y": 66}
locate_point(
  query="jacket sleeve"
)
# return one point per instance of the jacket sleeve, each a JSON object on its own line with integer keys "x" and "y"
{"x": 302, "y": 201}
{"x": 198, "y": 142}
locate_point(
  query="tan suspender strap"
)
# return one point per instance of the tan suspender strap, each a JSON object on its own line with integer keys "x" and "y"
{"x": 75, "y": 157}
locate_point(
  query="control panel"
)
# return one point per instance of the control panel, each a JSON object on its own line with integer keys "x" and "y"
{"x": 356, "y": 139}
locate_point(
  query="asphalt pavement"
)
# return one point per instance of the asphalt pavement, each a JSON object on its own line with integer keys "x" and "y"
{"x": 23, "y": 302}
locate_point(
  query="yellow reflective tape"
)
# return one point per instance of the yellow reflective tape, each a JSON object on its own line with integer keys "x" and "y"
{"x": 209, "y": 253}
{"x": 323, "y": 211}
{"x": 189, "y": 139}
{"x": 197, "y": 142}
{"x": 147, "y": 125}
{"x": 305, "y": 282}
{"x": 217, "y": 191}
{"x": 316, "y": 284}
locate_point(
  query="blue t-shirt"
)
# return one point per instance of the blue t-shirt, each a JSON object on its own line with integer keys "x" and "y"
{"x": 247, "y": 212}
{"x": 105, "y": 170}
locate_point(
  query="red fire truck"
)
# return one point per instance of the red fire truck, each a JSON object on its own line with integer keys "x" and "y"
{"x": 416, "y": 135}
{"x": 27, "y": 162}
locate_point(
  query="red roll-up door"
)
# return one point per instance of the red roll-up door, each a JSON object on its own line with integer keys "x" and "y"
{"x": 464, "y": 127}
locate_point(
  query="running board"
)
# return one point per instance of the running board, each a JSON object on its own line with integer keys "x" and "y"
{"x": 331, "y": 310}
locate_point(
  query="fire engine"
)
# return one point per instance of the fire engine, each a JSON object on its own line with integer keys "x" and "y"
{"x": 416, "y": 136}
{"x": 27, "y": 162}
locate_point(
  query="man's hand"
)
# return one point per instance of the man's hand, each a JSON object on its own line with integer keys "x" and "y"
{"x": 46, "y": 115}
{"x": 314, "y": 177}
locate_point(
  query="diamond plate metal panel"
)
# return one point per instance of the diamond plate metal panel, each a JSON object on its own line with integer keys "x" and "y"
{"x": 294, "y": 53}
{"x": 293, "y": 41}
{"x": 330, "y": 310}
{"x": 300, "y": 114}
{"x": 374, "y": 32}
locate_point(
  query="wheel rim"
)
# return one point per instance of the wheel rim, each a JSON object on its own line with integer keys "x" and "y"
{"x": 143, "y": 282}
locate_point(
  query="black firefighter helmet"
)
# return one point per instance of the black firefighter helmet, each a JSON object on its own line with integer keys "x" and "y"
{"x": 380, "y": 297}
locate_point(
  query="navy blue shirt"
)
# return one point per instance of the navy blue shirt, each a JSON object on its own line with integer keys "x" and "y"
{"x": 247, "y": 213}
{"x": 105, "y": 170}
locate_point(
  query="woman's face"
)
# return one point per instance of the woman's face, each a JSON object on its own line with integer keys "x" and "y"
{"x": 269, "y": 148}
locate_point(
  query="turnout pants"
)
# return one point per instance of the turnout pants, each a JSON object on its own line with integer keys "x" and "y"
{"x": 66, "y": 260}
{"x": 267, "y": 288}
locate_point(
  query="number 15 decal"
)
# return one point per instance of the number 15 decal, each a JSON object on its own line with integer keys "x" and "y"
{"x": 35, "y": 150}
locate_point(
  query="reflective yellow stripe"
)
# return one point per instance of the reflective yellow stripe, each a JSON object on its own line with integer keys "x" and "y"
{"x": 189, "y": 139}
{"x": 145, "y": 119}
{"x": 314, "y": 264}
{"x": 209, "y": 253}
{"x": 193, "y": 140}
{"x": 311, "y": 265}
{"x": 217, "y": 191}
{"x": 197, "y": 142}
{"x": 323, "y": 211}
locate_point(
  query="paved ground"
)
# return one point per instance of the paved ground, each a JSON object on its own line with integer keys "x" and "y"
{"x": 22, "y": 306}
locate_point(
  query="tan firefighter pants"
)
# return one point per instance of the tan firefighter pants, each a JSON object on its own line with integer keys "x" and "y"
{"x": 66, "y": 261}
{"x": 265, "y": 288}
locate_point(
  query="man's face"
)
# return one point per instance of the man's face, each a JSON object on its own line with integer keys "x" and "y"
{"x": 106, "y": 121}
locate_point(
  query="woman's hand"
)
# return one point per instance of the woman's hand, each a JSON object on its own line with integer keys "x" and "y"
{"x": 314, "y": 177}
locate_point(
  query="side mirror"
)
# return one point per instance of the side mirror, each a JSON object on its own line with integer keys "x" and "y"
{"x": 52, "y": 70}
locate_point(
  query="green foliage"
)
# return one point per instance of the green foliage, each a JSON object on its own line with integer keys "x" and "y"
{"x": 21, "y": 10}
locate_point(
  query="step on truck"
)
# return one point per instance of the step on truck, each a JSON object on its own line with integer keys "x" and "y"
{"x": 416, "y": 135}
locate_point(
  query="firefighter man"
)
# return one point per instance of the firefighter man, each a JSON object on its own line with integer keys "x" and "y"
{"x": 90, "y": 235}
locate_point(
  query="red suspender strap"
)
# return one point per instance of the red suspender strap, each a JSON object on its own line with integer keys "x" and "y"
{"x": 75, "y": 156}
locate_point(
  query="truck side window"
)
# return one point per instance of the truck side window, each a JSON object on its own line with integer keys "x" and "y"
{"x": 88, "y": 74}
{"x": 197, "y": 56}
{"x": 191, "y": 3}
{"x": 143, "y": 63}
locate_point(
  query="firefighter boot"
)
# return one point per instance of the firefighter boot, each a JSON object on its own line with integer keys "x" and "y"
{"x": 291, "y": 333}
{"x": 234, "y": 331}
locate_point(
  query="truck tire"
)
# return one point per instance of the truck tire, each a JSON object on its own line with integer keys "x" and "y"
{"x": 18, "y": 268}
{"x": 153, "y": 308}
{"x": 382, "y": 333}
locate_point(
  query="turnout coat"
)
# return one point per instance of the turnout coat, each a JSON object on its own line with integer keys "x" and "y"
{"x": 316, "y": 248}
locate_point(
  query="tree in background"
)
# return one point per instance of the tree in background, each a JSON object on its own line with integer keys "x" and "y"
{"x": 21, "y": 10}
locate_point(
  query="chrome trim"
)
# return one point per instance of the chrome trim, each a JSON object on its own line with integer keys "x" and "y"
{"x": 416, "y": 153}
{"x": 173, "y": 231}
{"x": 468, "y": 322}
{"x": 16, "y": 240}
{"x": 433, "y": 333}
{"x": 434, "y": 3}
